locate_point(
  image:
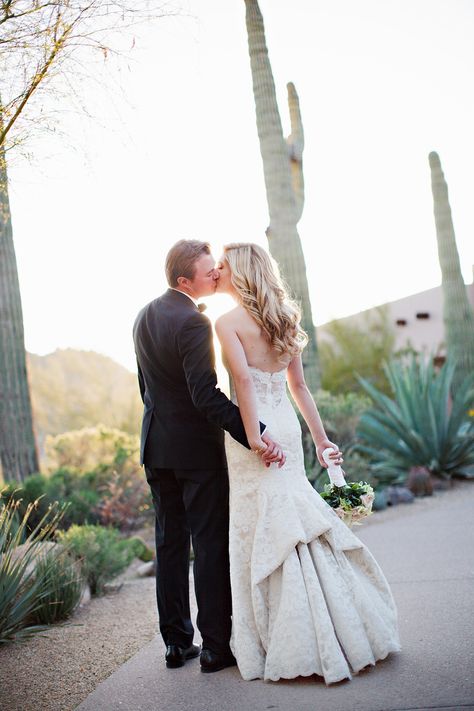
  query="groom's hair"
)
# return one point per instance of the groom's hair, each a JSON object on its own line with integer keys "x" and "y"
{"x": 182, "y": 257}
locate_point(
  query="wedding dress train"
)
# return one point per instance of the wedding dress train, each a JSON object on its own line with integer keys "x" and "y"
{"x": 308, "y": 597}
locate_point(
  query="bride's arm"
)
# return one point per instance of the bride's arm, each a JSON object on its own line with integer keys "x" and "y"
{"x": 306, "y": 405}
{"x": 235, "y": 356}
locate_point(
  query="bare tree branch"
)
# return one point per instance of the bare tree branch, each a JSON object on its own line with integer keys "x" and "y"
{"x": 37, "y": 39}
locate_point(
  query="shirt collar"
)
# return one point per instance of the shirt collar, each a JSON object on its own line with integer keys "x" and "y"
{"x": 183, "y": 292}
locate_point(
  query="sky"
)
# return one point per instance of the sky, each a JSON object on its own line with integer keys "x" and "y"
{"x": 172, "y": 151}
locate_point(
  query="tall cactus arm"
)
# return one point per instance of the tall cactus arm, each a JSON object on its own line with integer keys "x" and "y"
{"x": 457, "y": 311}
{"x": 295, "y": 143}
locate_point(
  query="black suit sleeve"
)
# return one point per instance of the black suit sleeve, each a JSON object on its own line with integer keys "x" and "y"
{"x": 141, "y": 383}
{"x": 197, "y": 354}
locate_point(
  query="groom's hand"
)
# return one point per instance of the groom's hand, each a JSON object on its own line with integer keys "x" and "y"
{"x": 273, "y": 453}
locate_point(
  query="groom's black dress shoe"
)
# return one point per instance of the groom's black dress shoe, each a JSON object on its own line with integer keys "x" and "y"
{"x": 176, "y": 656}
{"x": 211, "y": 662}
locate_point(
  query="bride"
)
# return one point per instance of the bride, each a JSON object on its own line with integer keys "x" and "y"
{"x": 308, "y": 597}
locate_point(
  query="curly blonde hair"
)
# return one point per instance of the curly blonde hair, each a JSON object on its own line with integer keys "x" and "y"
{"x": 256, "y": 278}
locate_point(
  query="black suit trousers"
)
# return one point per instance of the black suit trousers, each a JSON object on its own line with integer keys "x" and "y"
{"x": 192, "y": 503}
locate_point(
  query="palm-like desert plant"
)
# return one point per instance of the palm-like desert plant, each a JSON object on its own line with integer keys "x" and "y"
{"x": 21, "y": 592}
{"x": 63, "y": 584}
{"x": 420, "y": 426}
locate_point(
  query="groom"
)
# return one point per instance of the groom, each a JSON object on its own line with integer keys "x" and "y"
{"x": 182, "y": 448}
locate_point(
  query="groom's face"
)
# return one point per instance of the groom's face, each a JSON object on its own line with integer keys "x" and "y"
{"x": 205, "y": 277}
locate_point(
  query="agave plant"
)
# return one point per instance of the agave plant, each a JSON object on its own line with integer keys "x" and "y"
{"x": 63, "y": 585}
{"x": 21, "y": 592}
{"x": 421, "y": 425}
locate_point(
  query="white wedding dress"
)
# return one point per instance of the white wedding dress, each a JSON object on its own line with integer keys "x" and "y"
{"x": 308, "y": 597}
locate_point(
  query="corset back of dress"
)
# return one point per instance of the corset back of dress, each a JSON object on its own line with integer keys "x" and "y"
{"x": 274, "y": 407}
{"x": 270, "y": 388}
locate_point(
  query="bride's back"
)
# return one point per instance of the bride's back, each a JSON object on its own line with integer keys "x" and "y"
{"x": 258, "y": 351}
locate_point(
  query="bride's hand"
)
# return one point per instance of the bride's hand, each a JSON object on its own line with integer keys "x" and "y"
{"x": 335, "y": 457}
{"x": 273, "y": 453}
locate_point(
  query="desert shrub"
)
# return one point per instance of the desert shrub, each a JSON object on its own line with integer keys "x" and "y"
{"x": 60, "y": 587}
{"x": 31, "y": 491}
{"x": 140, "y": 549}
{"x": 357, "y": 346}
{"x": 126, "y": 502}
{"x": 102, "y": 552}
{"x": 340, "y": 415}
{"x": 92, "y": 449}
{"x": 111, "y": 491}
{"x": 21, "y": 592}
{"x": 107, "y": 462}
{"x": 62, "y": 486}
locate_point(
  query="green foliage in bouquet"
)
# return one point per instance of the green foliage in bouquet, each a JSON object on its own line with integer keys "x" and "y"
{"x": 351, "y": 502}
{"x": 102, "y": 552}
{"x": 21, "y": 591}
{"x": 60, "y": 588}
{"x": 420, "y": 425}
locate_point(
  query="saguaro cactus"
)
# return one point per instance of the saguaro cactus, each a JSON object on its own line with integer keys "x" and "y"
{"x": 295, "y": 142}
{"x": 18, "y": 453}
{"x": 284, "y": 184}
{"x": 457, "y": 311}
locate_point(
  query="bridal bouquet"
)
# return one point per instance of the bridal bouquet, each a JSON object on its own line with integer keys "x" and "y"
{"x": 352, "y": 501}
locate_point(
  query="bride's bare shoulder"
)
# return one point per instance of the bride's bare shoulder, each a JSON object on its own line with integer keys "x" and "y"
{"x": 231, "y": 318}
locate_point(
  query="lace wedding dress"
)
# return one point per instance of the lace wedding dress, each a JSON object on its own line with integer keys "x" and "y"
{"x": 308, "y": 597}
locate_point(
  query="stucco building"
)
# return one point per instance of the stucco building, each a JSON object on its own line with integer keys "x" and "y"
{"x": 417, "y": 320}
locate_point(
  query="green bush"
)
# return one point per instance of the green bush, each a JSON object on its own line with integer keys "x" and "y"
{"x": 420, "y": 425}
{"x": 140, "y": 549}
{"x": 21, "y": 593}
{"x": 63, "y": 486}
{"x": 61, "y": 586}
{"x": 103, "y": 554}
{"x": 98, "y": 474}
{"x": 105, "y": 461}
{"x": 83, "y": 450}
{"x": 357, "y": 346}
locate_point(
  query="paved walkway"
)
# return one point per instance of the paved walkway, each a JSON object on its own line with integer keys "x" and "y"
{"x": 426, "y": 550}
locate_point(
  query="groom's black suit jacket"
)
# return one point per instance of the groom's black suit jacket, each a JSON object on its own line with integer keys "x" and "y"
{"x": 185, "y": 412}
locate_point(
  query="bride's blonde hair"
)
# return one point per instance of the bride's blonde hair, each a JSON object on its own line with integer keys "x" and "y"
{"x": 256, "y": 278}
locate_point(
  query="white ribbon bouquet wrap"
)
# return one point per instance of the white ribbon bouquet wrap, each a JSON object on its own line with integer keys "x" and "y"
{"x": 335, "y": 472}
{"x": 351, "y": 501}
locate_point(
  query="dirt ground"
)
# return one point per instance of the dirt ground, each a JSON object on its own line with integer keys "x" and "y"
{"x": 57, "y": 670}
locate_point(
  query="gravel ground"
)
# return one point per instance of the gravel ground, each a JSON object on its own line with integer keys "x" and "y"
{"x": 59, "y": 669}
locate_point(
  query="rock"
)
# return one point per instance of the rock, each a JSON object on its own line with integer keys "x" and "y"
{"x": 419, "y": 481}
{"x": 113, "y": 587}
{"x": 86, "y": 595}
{"x": 380, "y": 500}
{"x": 39, "y": 549}
{"x": 399, "y": 495}
{"x": 145, "y": 570}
